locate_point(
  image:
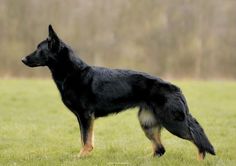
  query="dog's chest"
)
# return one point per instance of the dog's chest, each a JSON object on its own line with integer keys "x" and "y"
{"x": 68, "y": 95}
{"x": 70, "y": 99}
{"x": 67, "y": 102}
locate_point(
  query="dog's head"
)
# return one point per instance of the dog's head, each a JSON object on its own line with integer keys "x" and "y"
{"x": 45, "y": 51}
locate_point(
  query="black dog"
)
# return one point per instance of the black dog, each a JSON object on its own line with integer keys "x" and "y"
{"x": 92, "y": 92}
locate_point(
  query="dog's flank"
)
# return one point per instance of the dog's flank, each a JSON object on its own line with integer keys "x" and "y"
{"x": 93, "y": 92}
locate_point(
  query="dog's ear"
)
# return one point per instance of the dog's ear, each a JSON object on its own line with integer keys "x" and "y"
{"x": 53, "y": 40}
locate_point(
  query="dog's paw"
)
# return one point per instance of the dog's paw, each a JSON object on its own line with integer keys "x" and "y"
{"x": 84, "y": 154}
{"x": 85, "y": 151}
{"x": 159, "y": 152}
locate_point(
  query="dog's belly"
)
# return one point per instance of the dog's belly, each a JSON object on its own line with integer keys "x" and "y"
{"x": 113, "y": 107}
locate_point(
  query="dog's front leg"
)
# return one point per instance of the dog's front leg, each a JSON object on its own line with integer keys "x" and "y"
{"x": 86, "y": 131}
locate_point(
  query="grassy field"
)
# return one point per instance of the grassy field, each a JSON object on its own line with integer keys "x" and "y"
{"x": 36, "y": 128}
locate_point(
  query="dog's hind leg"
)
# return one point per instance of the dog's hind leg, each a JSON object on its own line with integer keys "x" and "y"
{"x": 152, "y": 130}
{"x": 87, "y": 135}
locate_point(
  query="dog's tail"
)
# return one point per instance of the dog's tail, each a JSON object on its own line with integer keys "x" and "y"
{"x": 199, "y": 137}
{"x": 197, "y": 133}
{"x": 180, "y": 122}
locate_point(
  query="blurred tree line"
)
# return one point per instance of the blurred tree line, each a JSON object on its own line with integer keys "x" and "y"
{"x": 171, "y": 38}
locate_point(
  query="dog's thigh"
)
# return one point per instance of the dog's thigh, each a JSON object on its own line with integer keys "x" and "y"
{"x": 147, "y": 118}
{"x": 149, "y": 124}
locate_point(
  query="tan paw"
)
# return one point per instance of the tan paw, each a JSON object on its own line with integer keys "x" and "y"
{"x": 85, "y": 151}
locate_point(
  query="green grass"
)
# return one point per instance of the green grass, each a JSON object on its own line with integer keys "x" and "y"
{"x": 36, "y": 128}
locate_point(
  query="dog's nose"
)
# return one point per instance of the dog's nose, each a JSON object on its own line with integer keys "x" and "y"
{"x": 24, "y": 60}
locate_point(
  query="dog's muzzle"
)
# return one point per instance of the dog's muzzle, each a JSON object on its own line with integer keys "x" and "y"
{"x": 26, "y": 61}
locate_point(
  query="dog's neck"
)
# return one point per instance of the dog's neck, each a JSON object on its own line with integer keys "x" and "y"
{"x": 63, "y": 66}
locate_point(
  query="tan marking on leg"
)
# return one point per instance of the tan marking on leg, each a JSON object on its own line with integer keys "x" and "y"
{"x": 154, "y": 135}
{"x": 201, "y": 156}
{"x": 147, "y": 118}
{"x": 89, "y": 144}
{"x": 156, "y": 139}
{"x": 157, "y": 136}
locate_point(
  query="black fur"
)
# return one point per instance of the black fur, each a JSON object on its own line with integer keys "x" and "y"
{"x": 159, "y": 152}
{"x": 93, "y": 92}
